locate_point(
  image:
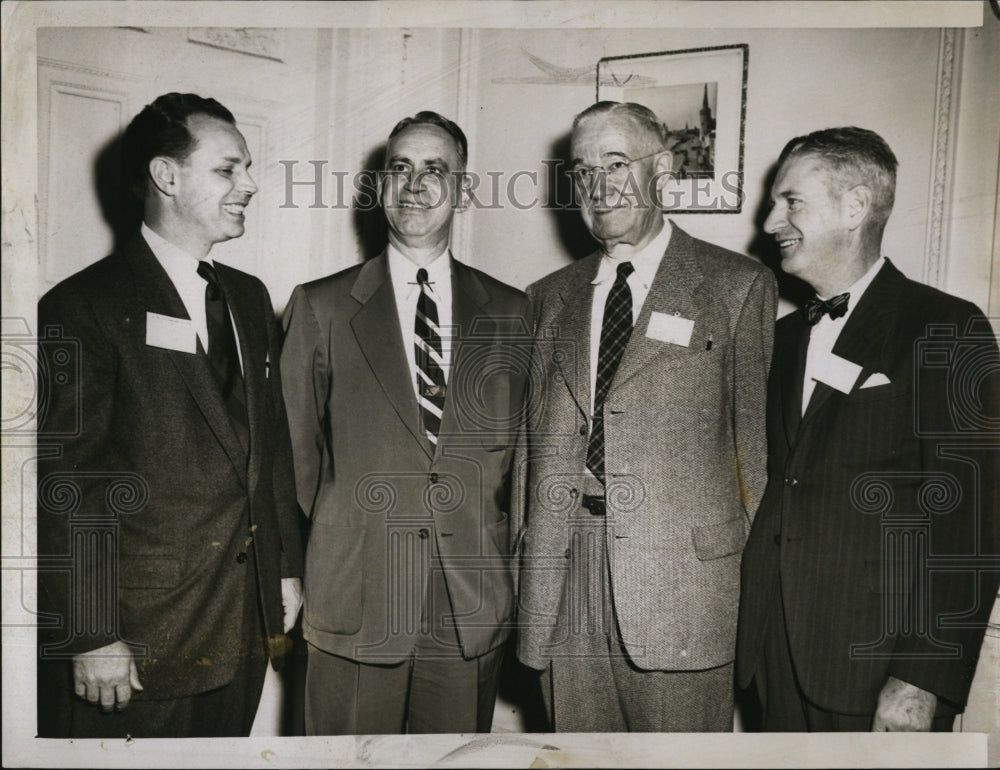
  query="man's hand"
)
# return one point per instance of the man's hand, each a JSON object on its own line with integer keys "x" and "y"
{"x": 291, "y": 600}
{"x": 107, "y": 676}
{"x": 903, "y": 707}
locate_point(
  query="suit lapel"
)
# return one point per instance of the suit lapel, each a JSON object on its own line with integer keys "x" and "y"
{"x": 791, "y": 362}
{"x": 572, "y": 322}
{"x": 376, "y": 328}
{"x": 672, "y": 292}
{"x": 469, "y": 300}
{"x": 252, "y": 336}
{"x": 156, "y": 292}
{"x": 865, "y": 332}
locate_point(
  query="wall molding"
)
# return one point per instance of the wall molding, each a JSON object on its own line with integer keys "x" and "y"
{"x": 86, "y": 69}
{"x": 943, "y": 156}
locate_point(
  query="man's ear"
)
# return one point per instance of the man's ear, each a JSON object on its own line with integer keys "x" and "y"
{"x": 663, "y": 168}
{"x": 163, "y": 172}
{"x": 857, "y": 205}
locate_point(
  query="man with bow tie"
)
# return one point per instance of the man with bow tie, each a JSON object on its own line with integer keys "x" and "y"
{"x": 169, "y": 542}
{"x": 403, "y": 389}
{"x": 871, "y": 568}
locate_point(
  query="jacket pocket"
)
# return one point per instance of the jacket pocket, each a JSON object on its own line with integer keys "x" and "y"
{"x": 142, "y": 571}
{"x": 714, "y": 541}
{"x": 335, "y": 578}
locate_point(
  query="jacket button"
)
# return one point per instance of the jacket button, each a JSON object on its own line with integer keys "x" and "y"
{"x": 791, "y": 481}
{"x": 434, "y": 478}
{"x": 241, "y": 557}
{"x": 777, "y": 540}
{"x": 424, "y": 533}
{"x": 574, "y": 493}
{"x": 583, "y": 430}
{"x": 567, "y": 554}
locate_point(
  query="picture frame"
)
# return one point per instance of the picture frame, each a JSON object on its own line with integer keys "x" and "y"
{"x": 700, "y": 95}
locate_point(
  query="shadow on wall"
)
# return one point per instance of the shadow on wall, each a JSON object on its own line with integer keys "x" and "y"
{"x": 368, "y": 219}
{"x": 573, "y": 234}
{"x": 765, "y": 248}
{"x": 121, "y": 209}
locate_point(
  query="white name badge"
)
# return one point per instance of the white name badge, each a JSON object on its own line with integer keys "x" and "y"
{"x": 839, "y": 373}
{"x": 163, "y": 331}
{"x": 670, "y": 328}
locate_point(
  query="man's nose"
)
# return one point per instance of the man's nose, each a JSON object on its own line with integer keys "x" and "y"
{"x": 775, "y": 220}
{"x": 247, "y": 185}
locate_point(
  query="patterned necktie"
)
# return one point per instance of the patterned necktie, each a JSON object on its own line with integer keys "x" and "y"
{"x": 222, "y": 355}
{"x": 615, "y": 332}
{"x": 835, "y": 307}
{"x": 430, "y": 361}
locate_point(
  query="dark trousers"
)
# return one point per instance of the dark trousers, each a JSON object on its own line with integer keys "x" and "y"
{"x": 785, "y": 707}
{"x": 593, "y": 686}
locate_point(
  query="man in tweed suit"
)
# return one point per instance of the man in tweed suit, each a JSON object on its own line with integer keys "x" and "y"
{"x": 870, "y": 570}
{"x": 639, "y": 478}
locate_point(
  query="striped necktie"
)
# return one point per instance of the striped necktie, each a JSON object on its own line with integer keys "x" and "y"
{"x": 430, "y": 361}
{"x": 222, "y": 356}
{"x": 616, "y": 329}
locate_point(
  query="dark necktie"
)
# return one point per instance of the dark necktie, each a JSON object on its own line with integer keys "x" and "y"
{"x": 816, "y": 308}
{"x": 430, "y": 361}
{"x": 222, "y": 355}
{"x": 615, "y": 332}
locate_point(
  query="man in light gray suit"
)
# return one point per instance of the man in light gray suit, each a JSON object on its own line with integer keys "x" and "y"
{"x": 644, "y": 459}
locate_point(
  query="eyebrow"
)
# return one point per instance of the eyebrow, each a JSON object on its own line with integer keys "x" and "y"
{"x": 236, "y": 159}
{"x": 609, "y": 153}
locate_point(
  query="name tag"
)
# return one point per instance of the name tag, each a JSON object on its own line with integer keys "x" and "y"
{"x": 163, "y": 331}
{"x": 839, "y": 373}
{"x": 670, "y": 328}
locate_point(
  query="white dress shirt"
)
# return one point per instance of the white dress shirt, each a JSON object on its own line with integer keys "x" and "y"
{"x": 403, "y": 274}
{"x": 646, "y": 263}
{"x": 823, "y": 336}
{"x": 182, "y": 269}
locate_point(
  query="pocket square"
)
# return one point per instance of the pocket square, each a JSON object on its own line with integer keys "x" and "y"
{"x": 875, "y": 380}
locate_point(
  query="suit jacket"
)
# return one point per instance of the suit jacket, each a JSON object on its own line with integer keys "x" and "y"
{"x": 880, "y": 507}
{"x": 367, "y": 476}
{"x": 149, "y": 508}
{"x": 684, "y": 457}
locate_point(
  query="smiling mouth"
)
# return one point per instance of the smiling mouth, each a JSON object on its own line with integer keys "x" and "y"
{"x": 236, "y": 209}
{"x": 788, "y": 242}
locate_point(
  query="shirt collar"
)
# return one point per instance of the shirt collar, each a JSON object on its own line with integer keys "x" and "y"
{"x": 857, "y": 289}
{"x": 646, "y": 262}
{"x": 173, "y": 258}
{"x": 404, "y": 271}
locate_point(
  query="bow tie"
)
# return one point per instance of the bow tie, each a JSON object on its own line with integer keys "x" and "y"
{"x": 835, "y": 307}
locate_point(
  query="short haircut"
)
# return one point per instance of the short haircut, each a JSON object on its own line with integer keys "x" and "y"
{"x": 429, "y": 118}
{"x": 644, "y": 117}
{"x": 161, "y": 129}
{"x": 853, "y": 156}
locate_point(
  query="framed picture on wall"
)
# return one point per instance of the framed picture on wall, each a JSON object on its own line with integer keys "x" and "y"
{"x": 700, "y": 97}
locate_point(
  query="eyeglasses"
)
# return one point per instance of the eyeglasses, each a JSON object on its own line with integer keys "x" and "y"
{"x": 616, "y": 171}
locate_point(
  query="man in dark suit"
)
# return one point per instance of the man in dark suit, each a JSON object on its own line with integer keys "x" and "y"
{"x": 403, "y": 387}
{"x": 871, "y": 568}
{"x": 168, "y": 534}
{"x": 645, "y": 455}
